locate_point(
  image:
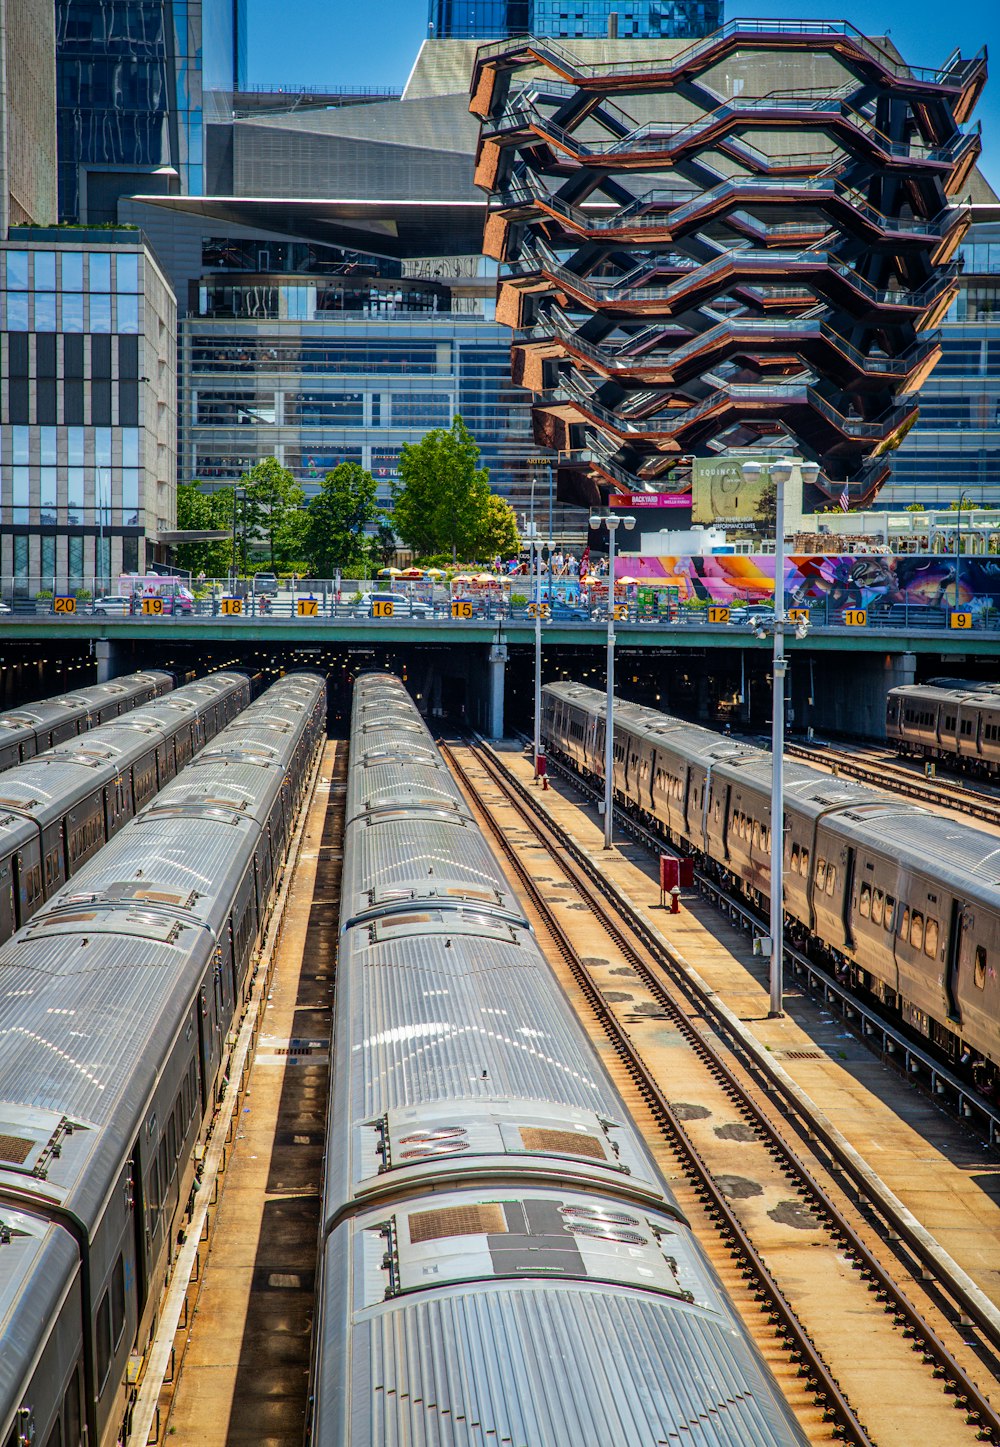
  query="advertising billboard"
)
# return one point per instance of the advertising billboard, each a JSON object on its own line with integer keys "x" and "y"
{"x": 720, "y": 495}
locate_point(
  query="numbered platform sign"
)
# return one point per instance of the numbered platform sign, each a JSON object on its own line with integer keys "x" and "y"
{"x": 461, "y": 608}
{"x": 538, "y": 610}
{"x": 961, "y": 618}
{"x": 383, "y": 610}
{"x": 798, "y": 615}
{"x": 856, "y": 618}
{"x": 152, "y": 607}
{"x": 621, "y": 612}
{"x": 231, "y": 607}
{"x": 307, "y": 607}
{"x": 718, "y": 615}
{"x": 64, "y": 605}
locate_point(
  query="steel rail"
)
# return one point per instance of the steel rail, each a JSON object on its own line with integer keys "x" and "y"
{"x": 595, "y": 889}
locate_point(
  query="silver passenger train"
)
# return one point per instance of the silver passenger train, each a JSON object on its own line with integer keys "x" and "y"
{"x": 500, "y": 1259}
{"x": 59, "y": 807}
{"x": 952, "y": 721}
{"x": 117, "y": 1003}
{"x": 34, "y": 727}
{"x": 904, "y": 902}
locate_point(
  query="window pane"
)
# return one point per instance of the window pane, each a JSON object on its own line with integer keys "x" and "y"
{"x": 17, "y": 270}
{"x": 72, "y": 271}
{"x": 72, "y": 311}
{"x": 45, "y": 311}
{"x": 19, "y": 439}
{"x": 128, "y": 313}
{"x": 48, "y": 559}
{"x": 17, "y": 311}
{"x": 74, "y": 498}
{"x": 20, "y": 557}
{"x": 127, "y": 272}
{"x": 100, "y": 312}
{"x": 100, "y": 271}
{"x": 76, "y": 557}
{"x": 74, "y": 446}
{"x": 45, "y": 271}
{"x": 103, "y": 1341}
{"x": 130, "y": 447}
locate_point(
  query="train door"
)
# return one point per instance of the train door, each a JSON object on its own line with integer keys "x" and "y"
{"x": 847, "y": 900}
{"x": 8, "y": 910}
{"x": 959, "y": 958}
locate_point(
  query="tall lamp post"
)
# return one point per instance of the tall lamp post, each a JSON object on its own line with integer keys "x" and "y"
{"x": 612, "y": 522}
{"x": 781, "y": 472}
{"x": 536, "y": 546}
{"x": 958, "y": 550}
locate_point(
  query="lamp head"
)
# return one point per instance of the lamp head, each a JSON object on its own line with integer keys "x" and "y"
{"x": 595, "y": 521}
{"x": 629, "y": 523}
{"x": 810, "y": 473}
{"x": 781, "y": 471}
{"x": 751, "y": 471}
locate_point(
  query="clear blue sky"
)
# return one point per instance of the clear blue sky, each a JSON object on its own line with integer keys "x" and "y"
{"x": 316, "y": 42}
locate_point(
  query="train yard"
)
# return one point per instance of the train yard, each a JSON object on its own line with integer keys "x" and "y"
{"x": 413, "y": 1164}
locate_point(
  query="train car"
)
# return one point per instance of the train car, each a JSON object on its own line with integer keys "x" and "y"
{"x": 118, "y": 1005}
{"x": 34, "y": 727}
{"x": 500, "y": 1258}
{"x": 900, "y": 900}
{"x": 952, "y": 724}
{"x": 61, "y": 806}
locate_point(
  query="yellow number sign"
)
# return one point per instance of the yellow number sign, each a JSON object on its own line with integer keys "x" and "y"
{"x": 538, "y": 610}
{"x": 461, "y": 608}
{"x": 64, "y": 605}
{"x": 718, "y": 615}
{"x": 383, "y": 610}
{"x": 152, "y": 606}
{"x": 307, "y": 607}
{"x": 621, "y": 612}
{"x": 798, "y": 615}
{"x": 856, "y": 618}
{"x": 961, "y": 619}
{"x": 231, "y": 606}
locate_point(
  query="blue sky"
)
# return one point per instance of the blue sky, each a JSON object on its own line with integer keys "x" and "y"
{"x": 315, "y": 43}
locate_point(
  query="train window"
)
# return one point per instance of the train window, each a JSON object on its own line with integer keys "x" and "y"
{"x": 103, "y": 1329}
{"x": 890, "y": 912}
{"x": 755, "y": 833}
{"x": 795, "y": 858}
{"x": 152, "y": 1192}
{"x": 118, "y": 1301}
{"x": 54, "y": 1438}
{"x": 949, "y": 721}
{"x": 917, "y": 930}
{"x": 804, "y": 862}
{"x": 931, "y": 938}
{"x": 980, "y": 967}
{"x": 904, "y": 923}
{"x": 165, "y": 1169}
{"x": 865, "y": 901}
{"x": 831, "y": 877}
{"x": 820, "y": 873}
{"x": 878, "y": 906}
{"x": 72, "y": 1415}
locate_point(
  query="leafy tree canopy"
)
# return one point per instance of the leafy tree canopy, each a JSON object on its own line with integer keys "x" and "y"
{"x": 204, "y": 511}
{"x": 274, "y": 511}
{"x": 335, "y": 538}
{"x": 442, "y": 502}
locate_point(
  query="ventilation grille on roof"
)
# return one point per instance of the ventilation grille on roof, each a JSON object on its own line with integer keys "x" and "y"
{"x": 563, "y": 1142}
{"x": 15, "y": 1148}
{"x": 479, "y": 1220}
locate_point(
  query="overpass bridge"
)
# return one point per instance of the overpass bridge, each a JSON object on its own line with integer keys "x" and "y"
{"x": 839, "y": 672}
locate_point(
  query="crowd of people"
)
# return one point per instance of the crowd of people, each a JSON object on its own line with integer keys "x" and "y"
{"x": 559, "y": 565}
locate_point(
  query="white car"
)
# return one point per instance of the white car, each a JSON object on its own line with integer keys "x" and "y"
{"x": 402, "y": 606}
{"x": 113, "y": 605}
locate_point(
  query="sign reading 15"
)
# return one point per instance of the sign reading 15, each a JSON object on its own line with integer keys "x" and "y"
{"x": 461, "y": 608}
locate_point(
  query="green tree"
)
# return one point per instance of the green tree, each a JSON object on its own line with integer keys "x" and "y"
{"x": 345, "y": 506}
{"x": 499, "y": 537}
{"x": 440, "y": 501}
{"x": 205, "y": 511}
{"x": 274, "y": 510}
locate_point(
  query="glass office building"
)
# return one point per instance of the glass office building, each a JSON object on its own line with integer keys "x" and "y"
{"x": 573, "y": 19}
{"x": 955, "y": 445}
{"x": 131, "y": 78}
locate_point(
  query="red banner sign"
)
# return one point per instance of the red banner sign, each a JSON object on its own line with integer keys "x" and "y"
{"x": 650, "y": 499}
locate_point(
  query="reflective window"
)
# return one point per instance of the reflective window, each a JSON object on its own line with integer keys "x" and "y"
{"x": 48, "y": 563}
{"x": 74, "y": 446}
{"x": 130, "y": 495}
{"x": 17, "y": 311}
{"x": 130, "y": 447}
{"x": 100, "y": 271}
{"x": 48, "y": 485}
{"x": 128, "y": 313}
{"x": 20, "y": 441}
{"x": 76, "y": 561}
{"x": 74, "y": 495}
{"x": 45, "y": 271}
{"x": 48, "y": 446}
{"x": 72, "y": 270}
{"x": 72, "y": 311}
{"x": 100, "y": 312}
{"x": 126, "y": 271}
{"x": 20, "y": 556}
{"x": 17, "y": 271}
{"x": 45, "y": 311}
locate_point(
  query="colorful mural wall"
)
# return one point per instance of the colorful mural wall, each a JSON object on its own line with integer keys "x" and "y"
{"x": 845, "y": 580}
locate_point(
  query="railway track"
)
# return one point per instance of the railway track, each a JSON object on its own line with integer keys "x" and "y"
{"x": 765, "y": 1201}
{"x": 870, "y": 767}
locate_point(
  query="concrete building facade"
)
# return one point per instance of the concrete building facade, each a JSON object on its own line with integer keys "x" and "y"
{"x": 27, "y": 114}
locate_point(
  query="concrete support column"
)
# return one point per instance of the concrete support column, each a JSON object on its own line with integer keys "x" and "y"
{"x": 498, "y": 666}
{"x": 104, "y": 652}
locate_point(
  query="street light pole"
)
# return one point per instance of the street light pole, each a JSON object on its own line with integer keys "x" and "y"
{"x": 611, "y": 522}
{"x": 958, "y": 551}
{"x": 781, "y": 473}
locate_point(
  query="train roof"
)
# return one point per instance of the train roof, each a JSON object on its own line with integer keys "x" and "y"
{"x": 38, "y": 1265}
{"x": 521, "y": 1319}
{"x": 394, "y": 859}
{"x": 959, "y": 856}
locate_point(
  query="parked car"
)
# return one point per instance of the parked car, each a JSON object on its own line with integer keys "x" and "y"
{"x": 560, "y": 612}
{"x": 265, "y": 583}
{"x": 113, "y": 605}
{"x": 751, "y": 612}
{"x": 402, "y": 606}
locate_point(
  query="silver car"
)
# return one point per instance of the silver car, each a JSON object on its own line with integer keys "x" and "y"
{"x": 402, "y": 606}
